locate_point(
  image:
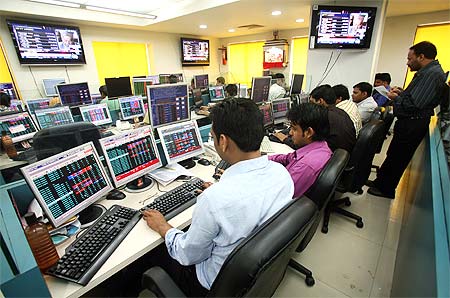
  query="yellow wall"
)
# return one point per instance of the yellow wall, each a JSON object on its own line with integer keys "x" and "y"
{"x": 299, "y": 55}
{"x": 245, "y": 62}
{"x": 5, "y": 76}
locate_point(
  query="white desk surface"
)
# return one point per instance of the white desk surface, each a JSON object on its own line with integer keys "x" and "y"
{"x": 6, "y": 162}
{"x": 141, "y": 238}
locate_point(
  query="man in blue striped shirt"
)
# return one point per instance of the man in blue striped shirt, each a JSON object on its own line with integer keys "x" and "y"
{"x": 413, "y": 108}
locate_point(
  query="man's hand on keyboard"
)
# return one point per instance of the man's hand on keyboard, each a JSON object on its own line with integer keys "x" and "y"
{"x": 280, "y": 136}
{"x": 204, "y": 186}
{"x": 156, "y": 221}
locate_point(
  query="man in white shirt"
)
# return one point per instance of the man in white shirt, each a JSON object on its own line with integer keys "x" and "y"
{"x": 365, "y": 103}
{"x": 343, "y": 103}
{"x": 248, "y": 193}
{"x": 277, "y": 89}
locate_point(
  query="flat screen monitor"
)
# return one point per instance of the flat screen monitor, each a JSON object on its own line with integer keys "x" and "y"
{"x": 168, "y": 104}
{"x": 164, "y": 78}
{"x": 131, "y": 154}
{"x": 198, "y": 100}
{"x": 8, "y": 88}
{"x": 181, "y": 141}
{"x": 266, "y": 110}
{"x": 260, "y": 89}
{"x": 343, "y": 27}
{"x": 67, "y": 183}
{"x": 140, "y": 85}
{"x": 296, "y": 84}
{"x": 201, "y": 81}
{"x": 19, "y": 126}
{"x": 16, "y": 105}
{"x": 243, "y": 91}
{"x": 76, "y": 94}
{"x": 216, "y": 93}
{"x": 130, "y": 107}
{"x": 53, "y": 116}
{"x": 46, "y": 44}
{"x": 96, "y": 98}
{"x": 180, "y": 77}
{"x": 97, "y": 114}
{"x": 50, "y": 86}
{"x": 194, "y": 51}
{"x": 280, "y": 108}
{"x": 37, "y": 104}
{"x": 118, "y": 87}
{"x": 153, "y": 79}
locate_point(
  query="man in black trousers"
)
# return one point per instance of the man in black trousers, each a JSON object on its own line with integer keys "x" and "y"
{"x": 413, "y": 108}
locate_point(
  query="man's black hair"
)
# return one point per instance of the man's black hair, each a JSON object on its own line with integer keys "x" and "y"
{"x": 278, "y": 76}
{"x": 341, "y": 91}
{"x": 426, "y": 48}
{"x": 311, "y": 115}
{"x": 383, "y": 76}
{"x": 364, "y": 87}
{"x": 231, "y": 89}
{"x": 5, "y": 99}
{"x": 103, "y": 90}
{"x": 325, "y": 92}
{"x": 241, "y": 120}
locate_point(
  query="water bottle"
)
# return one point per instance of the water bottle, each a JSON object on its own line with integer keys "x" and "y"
{"x": 8, "y": 145}
{"x": 40, "y": 242}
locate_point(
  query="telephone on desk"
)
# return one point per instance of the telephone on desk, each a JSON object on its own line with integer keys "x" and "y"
{"x": 222, "y": 165}
{"x": 123, "y": 125}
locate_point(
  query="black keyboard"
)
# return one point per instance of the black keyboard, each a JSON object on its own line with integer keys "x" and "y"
{"x": 222, "y": 165}
{"x": 86, "y": 255}
{"x": 178, "y": 199}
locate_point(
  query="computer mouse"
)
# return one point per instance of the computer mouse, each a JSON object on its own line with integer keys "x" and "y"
{"x": 204, "y": 162}
{"x": 115, "y": 195}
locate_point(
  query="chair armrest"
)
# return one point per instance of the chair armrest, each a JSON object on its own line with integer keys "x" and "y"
{"x": 160, "y": 283}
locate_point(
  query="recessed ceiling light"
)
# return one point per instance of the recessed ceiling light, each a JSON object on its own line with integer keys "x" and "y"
{"x": 276, "y": 13}
{"x": 231, "y": 30}
{"x": 203, "y": 26}
{"x": 300, "y": 20}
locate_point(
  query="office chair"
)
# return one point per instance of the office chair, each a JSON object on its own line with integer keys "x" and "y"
{"x": 320, "y": 193}
{"x": 257, "y": 265}
{"x": 387, "y": 117}
{"x": 357, "y": 171}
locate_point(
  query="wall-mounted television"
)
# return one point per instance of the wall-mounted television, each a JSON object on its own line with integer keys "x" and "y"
{"x": 46, "y": 44}
{"x": 194, "y": 51}
{"x": 342, "y": 27}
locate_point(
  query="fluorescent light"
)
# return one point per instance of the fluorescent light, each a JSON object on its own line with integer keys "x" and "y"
{"x": 203, "y": 26}
{"x": 300, "y": 20}
{"x": 57, "y": 2}
{"x": 276, "y": 13}
{"x": 231, "y": 30}
{"x": 121, "y": 12}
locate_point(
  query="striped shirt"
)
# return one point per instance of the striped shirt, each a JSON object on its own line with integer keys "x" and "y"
{"x": 352, "y": 110}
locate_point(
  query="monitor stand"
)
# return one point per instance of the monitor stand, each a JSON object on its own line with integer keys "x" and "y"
{"x": 187, "y": 163}
{"x": 140, "y": 184}
{"x": 89, "y": 215}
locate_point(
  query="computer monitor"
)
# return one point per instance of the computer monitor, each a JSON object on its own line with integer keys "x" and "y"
{"x": 154, "y": 79}
{"x": 164, "y": 78}
{"x": 50, "y": 86}
{"x": 8, "y": 88}
{"x": 180, "y": 77}
{"x": 118, "y": 87}
{"x": 16, "y": 105}
{"x": 53, "y": 116}
{"x": 296, "y": 84}
{"x": 260, "y": 89}
{"x": 168, "y": 104}
{"x": 140, "y": 86}
{"x": 76, "y": 94}
{"x": 67, "y": 183}
{"x": 180, "y": 142}
{"x": 130, "y": 156}
{"x": 197, "y": 95}
{"x": 37, "y": 104}
{"x": 19, "y": 126}
{"x": 201, "y": 81}
{"x": 280, "y": 108}
{"x": 216, "y": 93}
{"x": 96, "y": 98}
{"x": 242, "y": 91}
{"x": 97, "y": 114}
{"x": 131, "y": 107}
{"x": 266, "y": 110}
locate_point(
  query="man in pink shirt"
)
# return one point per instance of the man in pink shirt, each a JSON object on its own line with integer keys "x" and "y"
{"x": 309, "y": 129}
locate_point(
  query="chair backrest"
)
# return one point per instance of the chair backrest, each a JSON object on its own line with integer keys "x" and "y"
{"x": 359, "y": 166}
{"x": 257, "y": 265}
{"x": 377, "y": 114}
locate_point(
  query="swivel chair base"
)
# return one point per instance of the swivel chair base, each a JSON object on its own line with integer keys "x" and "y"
{"x": 309, "y": 279}
{"x": 333, "y": 206}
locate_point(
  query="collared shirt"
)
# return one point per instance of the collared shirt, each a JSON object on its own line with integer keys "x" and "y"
{"x": 113, "y": 104}
{"x": 276, "y": 91}
{"x": 423, "y": 93}
{"x": 342, "y": 131}
{"x": 379, "y": 98}
{"x": 304, "y": 164}
{"x": 248, "y": 193}
{"x": 352, "y": 110}
{"x": 366, "y": 108}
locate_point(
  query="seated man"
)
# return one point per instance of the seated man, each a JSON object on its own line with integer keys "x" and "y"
{"x": 309, "y": 129}
{"x": 249, "y": 192}
{"x": 220, "y": 81}
{"x": 343, "y": 103}
{"x": 381, "y": 79}
{"x": 231, "y": 90}
{"x": 113, "y": 104}
{"x": 365, "y": 103}
{"x": 277, "y": 89}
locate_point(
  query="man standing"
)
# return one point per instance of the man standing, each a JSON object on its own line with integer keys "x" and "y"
{"x": 413, "y": 108}
{"x": 364, "y": 101}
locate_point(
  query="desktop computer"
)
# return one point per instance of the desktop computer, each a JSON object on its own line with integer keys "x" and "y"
{"x": 53, "y": 116}
{"x": 168, "y": 104}
{"x": 97, "y": 114}
{"x": 118, "y": 87}
{"x": 216, "y": 93}
{"x": 131, "y": 107}
{"x": 76, "y": 94}
{"x": 19, "y": 126}
{"x": 260, "y": 89}
{"x": 37, "y": 104}
{"x": 266, "y": 110}
{"x": 280, "y": 108}
{"x": 201, "y": 81}
{"x": 50, "y": 86}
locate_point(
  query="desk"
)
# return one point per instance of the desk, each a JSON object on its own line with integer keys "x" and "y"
{"x": 7, "y": 163}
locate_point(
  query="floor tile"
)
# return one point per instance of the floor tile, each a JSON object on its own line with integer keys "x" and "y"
{"x": 385, "y": 271}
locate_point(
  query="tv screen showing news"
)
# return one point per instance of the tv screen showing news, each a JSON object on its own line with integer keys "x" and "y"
{"x": 343, "y": 27}
{"x": 194, "y": 51}
{"x": 46, "y": 44}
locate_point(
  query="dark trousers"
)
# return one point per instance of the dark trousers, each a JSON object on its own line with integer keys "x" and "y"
{"x": 408, "y": 133}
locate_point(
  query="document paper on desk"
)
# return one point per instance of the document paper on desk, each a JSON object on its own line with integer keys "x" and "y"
{"x": 169, "y": 173}
{"x": 382, "y": 90}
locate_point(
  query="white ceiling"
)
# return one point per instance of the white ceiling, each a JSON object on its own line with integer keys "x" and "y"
{"x": 185, "y": 16}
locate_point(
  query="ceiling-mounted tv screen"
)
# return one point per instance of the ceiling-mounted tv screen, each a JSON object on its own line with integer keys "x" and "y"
{"x": 46, "y": 44}
{"x": 343, "y": 27}
{"x": 194, "y": 51}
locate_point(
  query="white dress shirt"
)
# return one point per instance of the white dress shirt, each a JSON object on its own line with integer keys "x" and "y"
{"x": 276, "y": 91}
{"x": 352, "y": 110}
{"x": 366, "y": 108}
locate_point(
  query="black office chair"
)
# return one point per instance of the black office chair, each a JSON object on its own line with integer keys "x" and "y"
{"x": 257, "y": 265}
{"x": 320, "y": 193}
{"x": 357, "y": 171}
{"x": 387, "y": 117}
